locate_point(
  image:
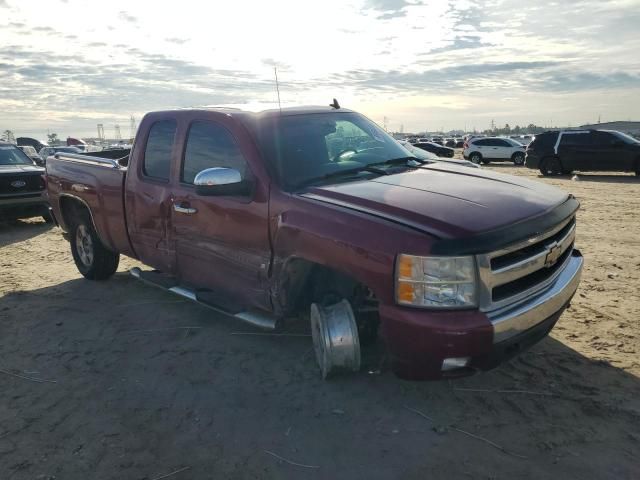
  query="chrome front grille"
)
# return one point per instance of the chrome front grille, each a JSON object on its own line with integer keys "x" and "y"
{"x": 524, "y": 269}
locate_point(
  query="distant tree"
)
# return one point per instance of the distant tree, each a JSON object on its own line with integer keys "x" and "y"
{"x": 516, "y": 130}
{"x": 8, "y": 136}
{"x": 52, "y": 138}
{"x": 507, "y": 129}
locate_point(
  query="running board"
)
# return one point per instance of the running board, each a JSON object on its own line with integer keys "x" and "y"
{"x": 257, "y": 319}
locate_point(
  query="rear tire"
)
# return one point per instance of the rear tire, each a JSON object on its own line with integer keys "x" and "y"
{"x": 551, "y": 166}
{"x": 476, "y": 158}
{"x": 518, "y": 158}
{"x": 93, "y": 260}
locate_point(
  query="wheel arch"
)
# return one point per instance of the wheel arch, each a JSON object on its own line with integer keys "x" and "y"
{"x": 300, "y": 279}
{"x": 72, "y": 207}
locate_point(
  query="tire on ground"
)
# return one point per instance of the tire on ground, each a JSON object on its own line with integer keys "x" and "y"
{"x": 93, "y": 260}
{"x": 518, "y": 158}
{"x": 476, "y": 158}
{"x": 550, "y": 166}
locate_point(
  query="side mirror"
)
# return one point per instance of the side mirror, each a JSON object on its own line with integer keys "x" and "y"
{"x": 221, "y": 181}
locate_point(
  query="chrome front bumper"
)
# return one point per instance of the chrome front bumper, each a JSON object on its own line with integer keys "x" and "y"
{"x": 512, "y": 321}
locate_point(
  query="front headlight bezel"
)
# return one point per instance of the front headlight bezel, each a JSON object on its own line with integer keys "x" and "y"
{"x": 401, "y": 280}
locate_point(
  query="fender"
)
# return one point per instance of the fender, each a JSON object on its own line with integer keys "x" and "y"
{"x": 355, "y": 244}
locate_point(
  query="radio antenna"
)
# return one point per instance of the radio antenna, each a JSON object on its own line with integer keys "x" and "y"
{"x": 275, "y": 72}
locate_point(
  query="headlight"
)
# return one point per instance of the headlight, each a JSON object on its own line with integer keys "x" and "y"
{"x": 436, "y": 282}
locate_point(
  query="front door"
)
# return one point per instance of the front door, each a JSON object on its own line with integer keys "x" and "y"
{"x": 222, "y": 242}
{"x": 609, "y": 153}
{"x": 502, "y": 149}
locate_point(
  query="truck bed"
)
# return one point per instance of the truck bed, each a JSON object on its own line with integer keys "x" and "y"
{"x": 98, "y": 183}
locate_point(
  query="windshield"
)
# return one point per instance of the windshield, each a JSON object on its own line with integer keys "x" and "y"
{"x": 625, "y": 138}
{"x": 10, "y": 155}
{"x": 311, "y": 147}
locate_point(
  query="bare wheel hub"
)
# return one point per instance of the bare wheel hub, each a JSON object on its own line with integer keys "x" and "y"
{"x": 335, "y": 338}
{"x": 84, "y": 245}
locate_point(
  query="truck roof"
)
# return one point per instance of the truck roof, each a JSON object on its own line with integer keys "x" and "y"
{"x": 287, "y": 111}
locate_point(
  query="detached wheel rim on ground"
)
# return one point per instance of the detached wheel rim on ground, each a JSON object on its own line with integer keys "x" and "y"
{"x": 335, "y": 338}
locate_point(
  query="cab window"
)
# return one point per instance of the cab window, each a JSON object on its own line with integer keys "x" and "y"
{"x": 157, "y": 154}
{"x": 210, "y": 145}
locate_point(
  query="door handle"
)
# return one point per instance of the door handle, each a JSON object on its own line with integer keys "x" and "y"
{"x": 186, "y": 210}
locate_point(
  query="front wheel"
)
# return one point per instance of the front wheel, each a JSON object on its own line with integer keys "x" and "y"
{"x": 518, "y": 158}
{"x": 93, "y": 260}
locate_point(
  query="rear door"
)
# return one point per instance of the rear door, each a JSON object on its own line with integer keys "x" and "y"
{"x": 575, "y": 151}
{"x": 148, "y": 195}
{"x": 222, "y": 242}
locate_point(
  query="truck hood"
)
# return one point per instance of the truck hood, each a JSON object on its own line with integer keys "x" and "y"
{"x": 18, "y": 169}
{"x": 445, "y": 200}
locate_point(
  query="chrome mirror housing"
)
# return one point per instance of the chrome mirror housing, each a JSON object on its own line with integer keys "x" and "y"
{"x": 220, "y": 181}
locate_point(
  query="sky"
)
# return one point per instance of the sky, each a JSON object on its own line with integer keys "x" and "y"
{"x": 67, "y": 65}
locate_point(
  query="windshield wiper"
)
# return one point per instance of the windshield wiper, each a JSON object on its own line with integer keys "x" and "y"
{"x": 399, "y": 160}
{"x": 346, "y": 172}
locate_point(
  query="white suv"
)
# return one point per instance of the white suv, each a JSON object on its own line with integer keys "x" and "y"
{"x": 494, "y": 148}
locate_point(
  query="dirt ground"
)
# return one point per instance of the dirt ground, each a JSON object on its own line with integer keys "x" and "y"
{"x": 118, "y": 380}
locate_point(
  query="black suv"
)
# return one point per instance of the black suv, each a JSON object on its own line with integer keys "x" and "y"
{"x": 561, "y": 152}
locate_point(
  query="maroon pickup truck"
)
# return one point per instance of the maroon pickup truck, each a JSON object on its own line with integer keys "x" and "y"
{"x": 317, "y": 214}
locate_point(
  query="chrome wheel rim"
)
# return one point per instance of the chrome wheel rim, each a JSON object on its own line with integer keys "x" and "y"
{"x": 84, "y": 245}
{"x": 335, "y": 338}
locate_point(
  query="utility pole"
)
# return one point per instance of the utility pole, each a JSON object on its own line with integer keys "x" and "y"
{"x": 384, "y": 123}
{"x": 117, "y": 132}
{"x": 132, "y": 127}
{"x": 101, "y": 133}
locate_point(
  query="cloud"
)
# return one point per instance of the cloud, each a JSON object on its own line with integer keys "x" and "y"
{"x": 4, "y": 4}
{"x": 124, "y": 16}
{"x": 436, "y": 77}
{"x": 177, "y": 41}
{"x": 390, "y": 15}
{"x": 388, "y": 9}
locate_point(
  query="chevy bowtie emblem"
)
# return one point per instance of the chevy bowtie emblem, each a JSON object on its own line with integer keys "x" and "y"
{"x": 18, "y": 183}
{"x": 553, "y": 254}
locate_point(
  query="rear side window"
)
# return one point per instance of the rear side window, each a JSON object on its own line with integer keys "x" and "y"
{"x": 157, "y": 155}
{"x": 210, "y": 145}
{"x": 482, "y": 143}
{"x": 543, "y": 140}
{"x": 605, "y": 138}
{"x": 501, "y": 143}
{"x": 576, "y": 139}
